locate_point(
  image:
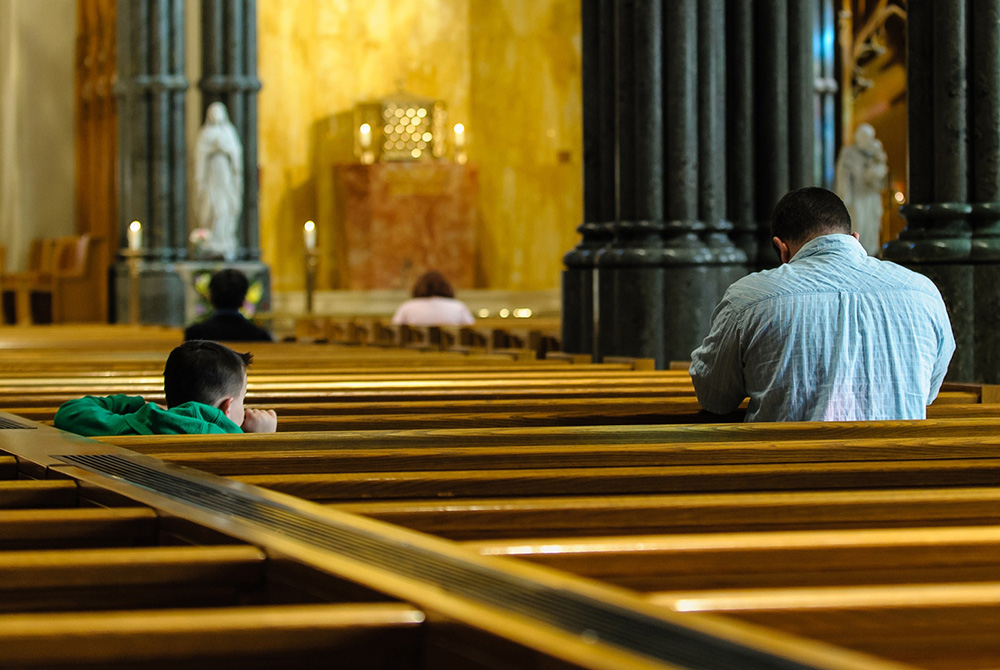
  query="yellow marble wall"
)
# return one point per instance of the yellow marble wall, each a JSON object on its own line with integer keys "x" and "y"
{"x": 508, "y": 69}
{"x": 526, "y": 136}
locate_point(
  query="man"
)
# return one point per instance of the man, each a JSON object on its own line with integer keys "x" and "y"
{"x": 205, "y": 384}
{"x": 227, "y": 290}
{"x": 830, "y": 335}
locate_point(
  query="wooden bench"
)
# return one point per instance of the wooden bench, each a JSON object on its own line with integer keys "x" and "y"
{"x": 571, "y": 514}
{"x": 232, "y": 605}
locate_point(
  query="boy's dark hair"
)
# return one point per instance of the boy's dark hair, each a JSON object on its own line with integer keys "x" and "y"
{"x": 203, "y": 371}
{"x": 228, "y": 289}
{"x": 432, "y": 283}
{"x": 807, "y": 212}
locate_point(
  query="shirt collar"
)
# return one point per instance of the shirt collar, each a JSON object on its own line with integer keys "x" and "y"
{"x": 835, "y": 243}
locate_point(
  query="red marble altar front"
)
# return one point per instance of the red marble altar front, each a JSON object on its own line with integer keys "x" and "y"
{"x": 401, "y": 219}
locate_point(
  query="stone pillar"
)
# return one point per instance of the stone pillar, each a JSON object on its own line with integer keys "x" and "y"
{"x": 729, "y": 262}
{"x": 229, "y": 75}
{"x": 630, "y": 293}
{"x": 599, "y": 193}
{"x": 936, "y": 240}
{"x": 151, "y": 88}
{"x": 772, "y": 116}
{"x": 984, "y": 103}
{"x": 739, "y": 106}
{"x": 687, "y": 270}
{"x": 801, "y": 94}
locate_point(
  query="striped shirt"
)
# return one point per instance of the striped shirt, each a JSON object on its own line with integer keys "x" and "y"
{"x": 832, "y": 335}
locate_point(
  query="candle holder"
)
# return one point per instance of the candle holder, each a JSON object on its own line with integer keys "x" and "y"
{"x": 133, "y": 259}
{"x": 311, "y": 263}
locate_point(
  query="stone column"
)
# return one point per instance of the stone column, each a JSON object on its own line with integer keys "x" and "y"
{"x": 984, "y": 103}
{"x": 801, "y": 94}
{"x": 151, "y": 88}
{"x": 599, "y": 193}
{"x": 772, "y": 117}
{"x": 729, "y": 262}
{"x": 741, "y": 199}
{"x": 630, "y": 293}
{"x": 229, "y": 75}
{"x": 936, "y": 240}
{"x": 689, "y": 299}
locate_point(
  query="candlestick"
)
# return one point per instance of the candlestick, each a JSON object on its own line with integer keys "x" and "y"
{"x": 135, "y": 236}
{"x": 309, "y": 232}
{"x": 365, "y": 139}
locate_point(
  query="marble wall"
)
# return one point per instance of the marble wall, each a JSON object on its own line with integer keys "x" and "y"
{"x": 507, "y": 69}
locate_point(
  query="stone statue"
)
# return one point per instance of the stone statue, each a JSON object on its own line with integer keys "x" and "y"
{"x": 218, "y": 181}
{"x": 861, "y": 178}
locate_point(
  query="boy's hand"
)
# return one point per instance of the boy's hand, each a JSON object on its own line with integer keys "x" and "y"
{"x": 259, "y": 421}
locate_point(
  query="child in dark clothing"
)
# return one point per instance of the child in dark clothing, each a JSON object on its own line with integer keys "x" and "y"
{"x": 205, "y": 384}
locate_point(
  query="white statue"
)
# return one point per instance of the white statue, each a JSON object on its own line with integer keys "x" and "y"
{"x": 861, "y": 178}
{"x": 218, "y": 180}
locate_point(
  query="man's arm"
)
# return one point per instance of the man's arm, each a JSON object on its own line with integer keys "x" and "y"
{"x": 946, "y": 348}
{"x": 717, "y": 367}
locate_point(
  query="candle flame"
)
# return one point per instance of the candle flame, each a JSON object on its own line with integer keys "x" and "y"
{"x": 310, "y": 225}
{"x": 135, "y": 226}
{"x": 459, "y": 128}
{"x": 365, "y": 128}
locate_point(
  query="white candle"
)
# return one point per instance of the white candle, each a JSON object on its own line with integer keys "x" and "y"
{"x": 459, "y": 136}
{"x": 309, "y": 231}
{"x": 366, "y": 136}
{"x": 135, "y": 236}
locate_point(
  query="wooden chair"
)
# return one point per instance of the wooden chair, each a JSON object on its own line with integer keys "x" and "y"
{"x": 76, "y": 293}
{"x": 19, "y": 305}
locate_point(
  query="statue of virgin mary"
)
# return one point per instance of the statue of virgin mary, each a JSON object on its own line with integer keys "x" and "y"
{"x": 218, "y": 180}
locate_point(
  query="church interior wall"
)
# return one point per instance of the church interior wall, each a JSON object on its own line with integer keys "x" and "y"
{"x": 37, "y": 42}
{"x": 508, "y": 70}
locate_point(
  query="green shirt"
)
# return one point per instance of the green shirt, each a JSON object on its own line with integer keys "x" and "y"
{"x": 131, "y": 415}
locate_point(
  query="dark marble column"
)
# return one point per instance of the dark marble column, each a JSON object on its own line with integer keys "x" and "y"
{"x": 937, "y": 241}
{"x": 741, "y": 201}
{"x": 729, "y": 262}
{"x": 630, "y": 291}
{"x": 599, "y": 192}
{"x": 772, "y": 115}
{"x": 689, "y": 293}
{"x": 984, "y": 103}
{"x": 801, "y": 94}
{"x": 229, "y": 75}
{"x": 151, "y": 88}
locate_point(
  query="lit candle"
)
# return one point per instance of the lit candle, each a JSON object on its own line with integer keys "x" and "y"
{"x": 366, "y": 136}
{"x": 310, "y": 235}
{"x": 459, "y": 136}
{"x": 134, "y": 236}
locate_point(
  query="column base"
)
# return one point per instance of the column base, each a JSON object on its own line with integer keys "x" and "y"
{"x": 176, "y": 294}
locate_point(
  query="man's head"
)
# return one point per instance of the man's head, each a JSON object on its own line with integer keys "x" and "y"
{"x": 806, "y": 213}
{"x": 209, "y": 373}
{"x": 228, "y": 289}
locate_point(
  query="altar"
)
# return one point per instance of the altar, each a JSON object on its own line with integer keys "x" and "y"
{"x": 402, "y": 218}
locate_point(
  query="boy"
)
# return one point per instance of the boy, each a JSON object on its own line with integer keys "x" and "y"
{"x": 205, "y": 384}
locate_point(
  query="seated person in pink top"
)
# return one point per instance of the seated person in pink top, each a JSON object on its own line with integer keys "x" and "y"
{"x": 433, "y": 304}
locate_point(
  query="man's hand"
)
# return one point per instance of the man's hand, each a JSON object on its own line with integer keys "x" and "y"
{"x": 259, "y": 421}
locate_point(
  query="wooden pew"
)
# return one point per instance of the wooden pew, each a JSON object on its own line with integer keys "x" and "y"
{"x": 258, "y": 632}
{"x": 716, "y": 512}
